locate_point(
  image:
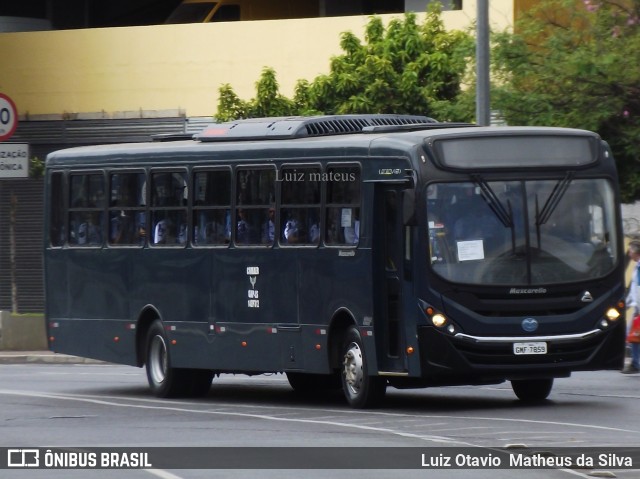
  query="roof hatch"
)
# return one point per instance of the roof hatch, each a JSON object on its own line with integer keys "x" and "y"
{"x": 300, "y": 127}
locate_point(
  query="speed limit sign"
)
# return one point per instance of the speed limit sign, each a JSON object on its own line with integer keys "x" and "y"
{"x": 8, "y": 117}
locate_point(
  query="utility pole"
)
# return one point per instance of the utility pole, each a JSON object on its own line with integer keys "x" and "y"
{"x": 483, "y": 115}
{"x": 13, "y": 209}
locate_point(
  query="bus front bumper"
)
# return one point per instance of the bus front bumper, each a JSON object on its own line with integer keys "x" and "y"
{"x": 465, "y": 359}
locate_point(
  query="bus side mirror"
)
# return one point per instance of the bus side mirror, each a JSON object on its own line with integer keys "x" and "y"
{"x": 409, "y": 207}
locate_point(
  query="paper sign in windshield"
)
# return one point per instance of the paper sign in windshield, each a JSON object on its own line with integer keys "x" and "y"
{"x": 470, "y": 250}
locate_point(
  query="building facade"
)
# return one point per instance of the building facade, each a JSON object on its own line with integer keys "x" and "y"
{"x": 81, "y": 86}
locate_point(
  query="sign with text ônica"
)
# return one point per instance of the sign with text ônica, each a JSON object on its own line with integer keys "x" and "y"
{"x": 14, "y": 160}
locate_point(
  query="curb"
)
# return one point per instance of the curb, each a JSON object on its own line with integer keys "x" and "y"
{"x": 16, "y": 357}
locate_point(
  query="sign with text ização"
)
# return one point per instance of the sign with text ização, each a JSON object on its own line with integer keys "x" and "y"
{"x": 14, "y": 160}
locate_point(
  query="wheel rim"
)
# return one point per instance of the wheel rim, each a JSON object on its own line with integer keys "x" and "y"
{"x": 158, "y": 359}
{"x": 353, "y": 369}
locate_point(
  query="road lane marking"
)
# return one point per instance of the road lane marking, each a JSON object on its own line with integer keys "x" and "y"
{"x": 157, "y": 404}
{"x": 166, "y": 404}
{"x": 162, "y": 473}
{"x": 92, "y": 400}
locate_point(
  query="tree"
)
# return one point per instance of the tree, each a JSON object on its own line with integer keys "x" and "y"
{"x": 268, "y": 101}
{"x": 404, "y": 67}
{"x": 36, "y": 167}
{"x": 575, "y": 65}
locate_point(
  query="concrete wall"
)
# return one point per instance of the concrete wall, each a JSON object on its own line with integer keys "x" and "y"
{"x": 176, "y": 67}
{"x": 24, "y": 332}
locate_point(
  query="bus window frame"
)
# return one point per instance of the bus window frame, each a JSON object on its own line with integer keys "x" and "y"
{"x": 150, "y": 209}
{"x": 193, "y": 208}
{"x": 63, "y": 226}
{"x": 326, "y": 204}
{"x": 280, "y": 205}
{"x": 144, "y": 207}
{"x": 69, "y": 209}
{"x": 235, "y": 206}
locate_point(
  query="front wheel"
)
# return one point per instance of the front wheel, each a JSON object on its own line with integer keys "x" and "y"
{"x": 166, "y": 381}
{"x": 532, "y": 390}
{"x": 361, "y": 390}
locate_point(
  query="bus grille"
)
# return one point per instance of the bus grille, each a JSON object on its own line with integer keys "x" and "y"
{"x": 492, "y": 305}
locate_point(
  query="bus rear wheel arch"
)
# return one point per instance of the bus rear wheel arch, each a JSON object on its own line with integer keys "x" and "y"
{"x": 164, "y": 380}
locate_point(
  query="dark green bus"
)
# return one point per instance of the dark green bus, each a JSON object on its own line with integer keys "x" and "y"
{"x": 355, "y": 252}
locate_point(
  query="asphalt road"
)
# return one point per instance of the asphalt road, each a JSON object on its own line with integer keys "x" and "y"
{"x": 84, "y": 406}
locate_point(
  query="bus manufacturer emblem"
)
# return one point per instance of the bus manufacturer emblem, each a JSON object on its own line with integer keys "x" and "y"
{"x": 586, "y": 297}
{"x": 529, "y": 325}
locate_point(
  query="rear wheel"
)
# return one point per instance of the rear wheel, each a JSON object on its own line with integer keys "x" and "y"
{"x": 361, "y": 390}
{"x": 532, "y": 390}
{"x": 166, "y": 381}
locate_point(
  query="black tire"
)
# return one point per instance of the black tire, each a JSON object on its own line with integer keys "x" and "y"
{"x": 166, "y": 381}
{"x": 310, "y": 384}
{"x": 532, "y": 390}
{"x": 361, "y": 390}
{"x": 199, "y": 382}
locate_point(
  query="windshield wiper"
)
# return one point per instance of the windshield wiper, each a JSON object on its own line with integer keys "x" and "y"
{"x": 505, "y": 216}
{"x": 542, "y": 216}
{"x": 554, "y": 199}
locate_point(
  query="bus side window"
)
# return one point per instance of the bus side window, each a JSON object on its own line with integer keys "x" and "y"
{"x": 212, "y": 207}
{"x": 56, "y": 210}
{"x": 300, "y": 205}
{"x": 343, "y": 205}
{"x": 255, "y": 190}
{"x": 86, "y": 211}
{"x": 127, "y": 225}
{"x": 169, "y": 195}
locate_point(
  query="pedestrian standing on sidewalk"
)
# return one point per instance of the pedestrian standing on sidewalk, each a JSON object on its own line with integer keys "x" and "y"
{"x": 633, "y": 301}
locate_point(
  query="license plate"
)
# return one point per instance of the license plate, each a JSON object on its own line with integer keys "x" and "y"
{"x": 529, "y": 348}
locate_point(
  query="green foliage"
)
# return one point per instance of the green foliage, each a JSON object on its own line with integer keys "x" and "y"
{"x": 575, "y": 65}
{"x": 230, "y": 106}
{"x": 268, "y": 101}
{"x": 404, "y": 67}
{"x": 36, "y": 167}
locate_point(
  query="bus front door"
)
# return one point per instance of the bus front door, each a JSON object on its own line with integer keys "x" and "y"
{"x": 388, "y": 255}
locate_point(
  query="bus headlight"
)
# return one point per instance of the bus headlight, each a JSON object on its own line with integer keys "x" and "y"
{"x": 612, "y": 314}
{"x": 439, "y": 320}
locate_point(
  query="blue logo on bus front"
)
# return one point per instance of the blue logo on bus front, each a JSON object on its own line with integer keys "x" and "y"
{"x": 529, "y": 325}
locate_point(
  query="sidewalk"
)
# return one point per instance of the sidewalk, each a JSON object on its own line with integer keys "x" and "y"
{"x": 42, "y": 357}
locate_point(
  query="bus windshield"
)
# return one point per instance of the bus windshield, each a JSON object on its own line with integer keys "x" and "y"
{"x": 534, "y": 232}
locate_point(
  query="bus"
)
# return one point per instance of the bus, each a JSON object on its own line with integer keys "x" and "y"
{"x": 356, "y": 252}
